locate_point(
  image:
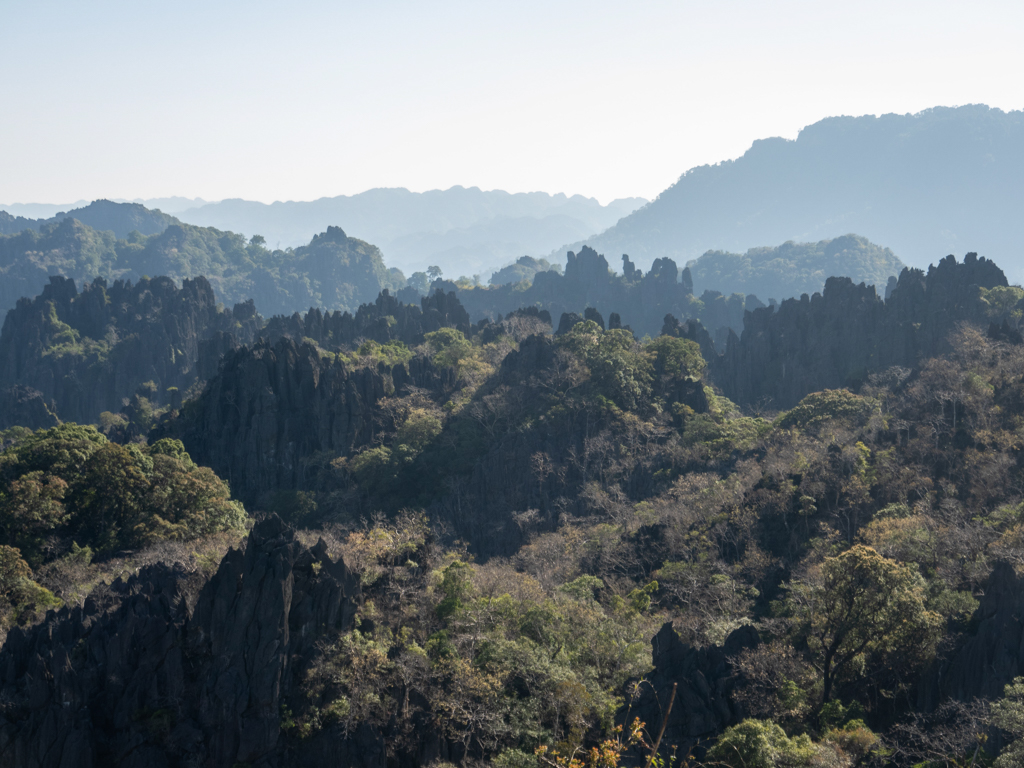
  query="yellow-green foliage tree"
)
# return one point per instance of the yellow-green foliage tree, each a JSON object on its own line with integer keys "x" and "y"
{"x": 619, "y": 371}
{"x": 20, "y": 597}
{"x": 863, "y": 606}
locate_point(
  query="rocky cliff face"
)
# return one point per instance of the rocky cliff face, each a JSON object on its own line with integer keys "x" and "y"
{"x": 990, "y": 655}
{"x": 25, "y": 407}
{"x": 272, "y": 407}
{"x": 641, "y": 300}
{"x": 142, "y": 676}
{"x": 705, "y": 679}
{"x": 834, "y": 339}
{"x": 384, "y": 320}
{"x": 87, "y": 351}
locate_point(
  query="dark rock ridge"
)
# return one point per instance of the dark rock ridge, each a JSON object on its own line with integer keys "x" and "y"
{"x": 272, "y": 407}
{"x": 641, "y": 300}
{"x": 384, "y": 320}
{"x": 141, "y": 677}
{"x": 25, "y": 407}
{"x": 835, "y": 338}
{"x": 705, "y": 679}
{"x": 87, "y": 351}
{"x": 990, "y": 655}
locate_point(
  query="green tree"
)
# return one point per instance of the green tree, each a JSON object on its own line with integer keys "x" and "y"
{"x": 31, "y": 507}
{"x": 760, "y": 744}
{"x": 59, "y": 451}
{"x": 20, "y": 597}
{"x": 184, "y": 501}
{"x": 863, "y": 605}
{"x": 674, "y": 357}
{"x": 372, "y": 469}
{"x": 419, "y": 428}
{"x": 1008, "y": 714}
{"x": 420, "y": 282}
{"x": 618, "y": 368}
{"x": 71, "y": 481}
{"x": 456, "y": 586}
{"x": 829, "y": 406}
{"x": 449, "y": 346}
{"x": 108, "y": 496}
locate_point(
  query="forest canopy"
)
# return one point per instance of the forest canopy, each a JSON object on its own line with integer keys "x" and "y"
{"x": 333, "y": 271}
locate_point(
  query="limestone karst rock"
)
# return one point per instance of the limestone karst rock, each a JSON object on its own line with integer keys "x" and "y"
{"x": 145, "y": 674}
{"x": 835, "y": 338}
{"x": 86, "y": 351}
{"x": 273, "y": 406}
{"x": 704, "y": 678}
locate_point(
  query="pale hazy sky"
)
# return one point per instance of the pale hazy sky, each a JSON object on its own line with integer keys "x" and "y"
{"x": 299, "y": 100}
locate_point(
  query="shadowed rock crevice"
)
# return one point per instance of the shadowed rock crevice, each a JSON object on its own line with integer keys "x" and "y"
{"x": 144, "y": 675}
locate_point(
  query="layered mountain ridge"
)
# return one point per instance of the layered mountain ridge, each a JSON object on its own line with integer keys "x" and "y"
{"x": 944, "y": 180}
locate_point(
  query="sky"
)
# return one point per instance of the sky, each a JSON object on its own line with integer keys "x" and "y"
{"x": 301, "y": 100}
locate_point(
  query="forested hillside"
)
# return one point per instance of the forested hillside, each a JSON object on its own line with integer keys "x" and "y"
{"x": 936, "y": 182}
{"x": 117, "y": 347}
{"x": 103, "y": 215}
{"x": 495, "y": 543}
{"x": 333, "y": 270}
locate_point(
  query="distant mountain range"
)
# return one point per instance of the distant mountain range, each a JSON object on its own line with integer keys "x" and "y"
{"x": 462, "y": 231}
{"x": 334, "y": 271}
{"x": 170, "y": 205}
{"x": 946, "y": 180}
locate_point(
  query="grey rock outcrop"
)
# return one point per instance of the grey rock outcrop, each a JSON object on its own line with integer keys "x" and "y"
{"x": 272, "y": 407}
{"x": 835, "y": 338}
{"x": 25, "y": 407}
{"x": 140, "y": 676}
{"x": 991, "y": 655}
{"x": 88, "y": 351}
{"x": 705, "y": 679}
{"x": 640, "y": 300}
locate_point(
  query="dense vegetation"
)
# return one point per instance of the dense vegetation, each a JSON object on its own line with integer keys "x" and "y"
{"x": 333, "y": 271}
{"x": 121, "y": 349}
{"x": 67, "y": 494}
{"x": 101, "y": 215}
{"x": 524, "y": 269}
{"x": 549, "y": 534}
